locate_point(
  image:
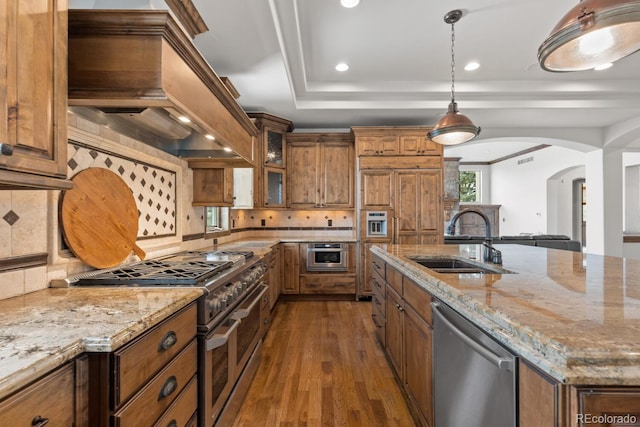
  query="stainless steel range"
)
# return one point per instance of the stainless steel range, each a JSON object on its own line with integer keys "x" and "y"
{"x": 230, "y": 323}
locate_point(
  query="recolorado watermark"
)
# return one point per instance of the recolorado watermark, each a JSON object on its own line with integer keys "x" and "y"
{"x": 607, "y": 419}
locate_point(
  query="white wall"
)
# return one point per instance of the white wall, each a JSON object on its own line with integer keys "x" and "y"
{"x": 521, "y": 190}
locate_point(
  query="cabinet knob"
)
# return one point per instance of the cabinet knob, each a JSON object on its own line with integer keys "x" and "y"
{"x": 39, "y": 421}
{"x": 167, "y": 341}
{"x": 6, "y": 149}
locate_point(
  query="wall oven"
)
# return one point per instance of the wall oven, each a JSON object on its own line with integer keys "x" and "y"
{"x": 327, "y": 257}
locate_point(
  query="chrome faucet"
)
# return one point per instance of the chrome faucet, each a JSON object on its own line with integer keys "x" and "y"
{"x": 491, "y": 254}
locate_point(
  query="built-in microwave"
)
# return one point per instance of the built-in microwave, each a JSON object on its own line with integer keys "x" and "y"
{"x": 327, "y": 256}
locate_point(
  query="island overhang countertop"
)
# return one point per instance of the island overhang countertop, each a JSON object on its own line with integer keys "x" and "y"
{"x": 575, "y": 316}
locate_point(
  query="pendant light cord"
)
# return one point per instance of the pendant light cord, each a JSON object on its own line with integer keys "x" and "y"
{"x": 453, "y": 64}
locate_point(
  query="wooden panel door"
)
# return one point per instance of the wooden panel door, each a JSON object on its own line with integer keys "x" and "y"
{"x": 429, "y": 201}
{"x": 290, "y": 268}
{"x": 337, "y": 175}
{"x": 33, "y": 86}
{"x": 394, "y": 335}
{"x": 418, "y": 206}
{"x": 407, "y": 187}
{"x": 418, "y": 339}
{"x": 376, "y": 189}
{"x": 303, "y": 172}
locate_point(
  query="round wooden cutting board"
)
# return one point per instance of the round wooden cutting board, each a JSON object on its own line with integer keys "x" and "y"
{"x": 100, "y": 218}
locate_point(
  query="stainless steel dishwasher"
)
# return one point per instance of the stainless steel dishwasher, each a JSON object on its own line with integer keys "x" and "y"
{"x": 475, "y": 378}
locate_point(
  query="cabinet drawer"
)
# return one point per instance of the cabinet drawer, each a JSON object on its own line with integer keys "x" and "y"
{"x": 182, "y": 410}
{"x": 154, "y": 399}
{"x": 50, "y": 398}
{"x": 378, "y": 266}
{"x": 377, "y": 285}
{"x": 378, "y": 303}
{"x": 138, "y": 362}
{"x": 379, "y": 323}
{"x": 324, "y": 284}
{"x": 418, "y": 299}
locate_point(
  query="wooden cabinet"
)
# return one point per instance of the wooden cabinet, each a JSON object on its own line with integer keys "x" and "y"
{"x": 394, "y": 330}
{"x": 148, "y": 378}
{"x": 213, "y": 187}
{"x": 418, "y": 145}
{"x": 376, "y": 189}
{"x": 606, "y": 406}
{"x": 378, "y": 145}
{"x": 418, "y": 210}
{"x": 33, "y": 94}
{"x": 269, "y": 178}
{"x": 290, "y": 268}
{"x": 320, "y": 171}
{"x": 50, "y": 400}
{"x": 538, "y": 395}
{"x": 408, "y": 334}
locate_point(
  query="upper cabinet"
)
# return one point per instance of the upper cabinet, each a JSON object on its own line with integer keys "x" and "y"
{"x": 320, "y": 171}
{"x": 33, "y": 94}
{"x": 394, "y": 141}
{"x": 269, "y": 178}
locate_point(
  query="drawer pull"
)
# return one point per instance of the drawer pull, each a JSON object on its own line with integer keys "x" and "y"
{"x": 39, "y": 421}
{"x": 168, "y": 341}
{"x": 172, "y": 423}
{"x": 170, "y": 385}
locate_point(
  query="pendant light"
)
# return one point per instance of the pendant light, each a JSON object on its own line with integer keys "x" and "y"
{"x": 453, "y": 128}
{"x": 592, "y": 33}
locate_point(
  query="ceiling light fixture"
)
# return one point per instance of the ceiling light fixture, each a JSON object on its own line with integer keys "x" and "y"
{"x": 604, "y": 66}
{"x": 471, "y": 66}
{"x": 349, "y": 3}
{"x": 342, "y": 67}
{"x": 453, "y": 128}
{"x": 592, "y": 33}
{"x": 210, "y": 137}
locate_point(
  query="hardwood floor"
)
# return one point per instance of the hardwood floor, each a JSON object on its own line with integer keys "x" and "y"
{"x": 322, "y": 366}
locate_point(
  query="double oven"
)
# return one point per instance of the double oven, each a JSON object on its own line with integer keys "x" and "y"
{"x": 230, "y": 318}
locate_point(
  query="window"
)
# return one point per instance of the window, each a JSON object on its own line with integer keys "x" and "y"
{"x": 216, "y": 221}
{"x": 469, "y": 186}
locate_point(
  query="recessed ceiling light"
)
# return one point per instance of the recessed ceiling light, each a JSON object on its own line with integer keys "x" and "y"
{"x": 184, "y": 119}
{"x": 227, "y": 149}
{"x": 604, "y": 66}
{"x": 472, "y": 66}
{"x": 349, "y": 3}
{"x": 210, "y": 137}
{"x": 342, "y": 67}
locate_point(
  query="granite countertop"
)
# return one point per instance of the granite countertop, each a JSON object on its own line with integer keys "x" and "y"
{"x": 575, "y": 316}
{"x": 42, "y": 330}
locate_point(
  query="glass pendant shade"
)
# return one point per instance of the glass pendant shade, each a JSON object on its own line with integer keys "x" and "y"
{"x": 454, "y": 128}
{"x": 593, "y": 33}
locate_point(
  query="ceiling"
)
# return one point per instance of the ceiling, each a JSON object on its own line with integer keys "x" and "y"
{"x": 280, "y": 56}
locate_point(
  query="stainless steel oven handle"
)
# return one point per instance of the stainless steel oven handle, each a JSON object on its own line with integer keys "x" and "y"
{"x": 326, "y": 250}
{"x": 243, "y": 312}
{"x": 500, "y": 362}
{"x": 218, "y": 340}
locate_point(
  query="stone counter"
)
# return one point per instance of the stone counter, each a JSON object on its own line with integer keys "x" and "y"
{"x": 575, "y": 316}
{"x": 42, "y": 330}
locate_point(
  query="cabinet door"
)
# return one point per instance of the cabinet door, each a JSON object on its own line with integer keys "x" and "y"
{"x": 243, "y": 187}
{"x": 50, "y": 400}
{"x": 418, "y": 204}
{"x": 274, "y": 185}
{"x": 429, "y": 205}
{"x": 394, "y": 330}
{"x": 407, "y": 187}
{"x": 418, "y": 340}
{"x": 612, "y": 402}
{"x": 418, "y": 145}
{"x": 367, "y": 145}
{"x": 274, "y": 148}
{"x": 303, "y": 170}
{"x": 213, "y": 187}
{"x": 33, "y": 93}
{"x": 376, "y": 189}
{"x": 336, "y": 179}
{"x": 290, "y": 268}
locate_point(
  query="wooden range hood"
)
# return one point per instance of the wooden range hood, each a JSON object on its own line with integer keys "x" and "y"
{"x": 123, "y": 63}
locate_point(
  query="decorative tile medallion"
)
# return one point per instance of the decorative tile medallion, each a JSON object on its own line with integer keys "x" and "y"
{"x": 154, "y": 188}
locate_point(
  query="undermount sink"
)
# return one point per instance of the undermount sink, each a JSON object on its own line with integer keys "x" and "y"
{"x": 456, "y": 266}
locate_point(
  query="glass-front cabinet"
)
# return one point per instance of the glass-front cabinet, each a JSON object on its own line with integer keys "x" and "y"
{"x": 270, "y": 176}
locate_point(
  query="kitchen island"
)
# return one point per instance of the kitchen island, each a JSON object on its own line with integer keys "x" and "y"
{"x": 573, "y": 318}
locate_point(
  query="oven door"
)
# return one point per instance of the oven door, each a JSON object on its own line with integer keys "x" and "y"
{"x": 327, "y": 257}
{"x": 248, "y": 333}
{"x": 218, "y": 376}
